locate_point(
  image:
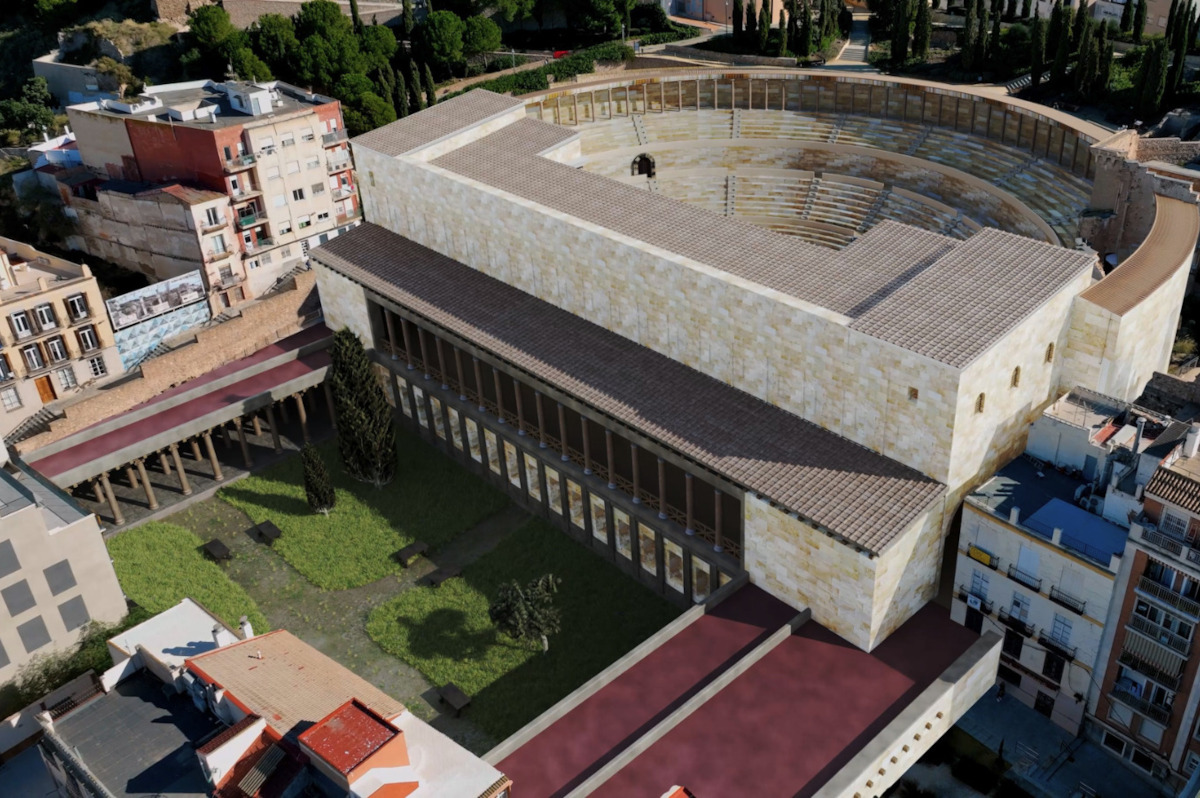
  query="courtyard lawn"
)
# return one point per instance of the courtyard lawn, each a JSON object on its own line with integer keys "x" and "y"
{"x": 159, "y": 565}
{"x": 432, "y": 499}
{"x": 445, "y": 632}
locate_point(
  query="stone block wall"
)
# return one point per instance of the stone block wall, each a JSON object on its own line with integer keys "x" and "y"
{"x": 344, "y": 303}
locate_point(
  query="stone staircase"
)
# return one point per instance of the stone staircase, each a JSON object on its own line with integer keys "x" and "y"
{"x": 37, "y": 423}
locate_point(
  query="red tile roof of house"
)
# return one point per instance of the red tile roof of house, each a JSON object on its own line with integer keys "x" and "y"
{"x": 346, "y": 737}
{"x": 228, "y": 734}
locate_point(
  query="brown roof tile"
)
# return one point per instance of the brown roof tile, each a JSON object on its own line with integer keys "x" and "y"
{"x": 293, "y": 686}
{"x": 857, "y": 493}
{"x": 1178, "y": 489}
{"x": 407, "y": 134}
{"x": 1171, "y": 241}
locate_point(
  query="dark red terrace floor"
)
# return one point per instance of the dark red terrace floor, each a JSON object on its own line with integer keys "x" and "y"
{"x": 152, "y": 423}
{"x": 788, "y": 724}
{"x": 571, "y": 749}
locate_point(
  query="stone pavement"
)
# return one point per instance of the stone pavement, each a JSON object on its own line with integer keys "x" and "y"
{"x": 1046, "y": 759}
{"x": 854, "y": 53}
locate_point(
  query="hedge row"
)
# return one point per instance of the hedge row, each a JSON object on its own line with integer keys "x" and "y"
{"x": 531, "y": 80}
{"x": 680, "y": 33}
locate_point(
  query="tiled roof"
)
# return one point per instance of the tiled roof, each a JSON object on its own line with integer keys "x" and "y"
{"x": 228, "y": 734}
{"x": 293, "y": 686}
{"x": 947, "y": 300}
{"x": 859, "y": 494}
{"x": 406, "y": 135}
{"x": 1174, "y": 487}
{"x": 1171, "y": 241}
{"x": 347, "y": 736}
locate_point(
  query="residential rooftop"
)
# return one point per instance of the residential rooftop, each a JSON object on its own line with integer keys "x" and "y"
{"x": 944, "y": 299}
{"x": 1085, "y": 408}
{"x": 346, "y": 737}
{"x": 861, "y": 495}
{"x": 23, "y": 269}
{"x": 175, "y": 634}
{"x": 22, "y": 486}
{"x": 1178, "y": 482}
{"x": 157, "y": 738}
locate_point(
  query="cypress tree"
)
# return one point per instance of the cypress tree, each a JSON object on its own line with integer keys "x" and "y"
{"x": 1127, "y": 16}
{"x": 804, "y": 45}
{"x": 1154, "y": 81}
{"x": 317, "y": 487}
{"x": 410, "y": 20}
{"x": 1171, "y": 15}
{"x": 981, "y": 38}
{"x": 1139, "y": 21}
{"x": 1037, "y": 53}
{"x": 967, "y": 56}
{"x": 1062, "y": 54}
{"x": 783, "y": 33}
{"x": 900, "y": 24}
{"x": 358, "y": 23}
{"x": 430, "y": 88}
{"x": 1084, "y": 66}
{"x": 764, "y": 27}
{"x": 1056, "y": 26}
{"x": 414, "y": 88}
{"x": 994, "y": 39}
{"x": 400, "y": 96}
{"x": 1010, "y": 10}
{"x": 1179, "y": 47}
{"x": 751, "y": 21}
{"x": 1104, "y": 67}
{"x": 1026, "y": 8}
{"x": 366, "y": 436}
{"x": 793, "y": 24}
{"x": 922, "y": 31}
{"x": 737, "y": 19}
{"x": 1080, "y": 19}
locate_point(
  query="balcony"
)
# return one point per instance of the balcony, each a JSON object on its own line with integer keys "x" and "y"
{"x": 260, "y": 245}
{"x": 251, "y": 218}
{"x": 245, "y": 193}
{"x": 338, "y": 164}
{"x": 228, "y": 281}
{"x": 239, "y": 163}
{"x": 214, "y": 256}
{"x": 1166, "y": 595}
{"x": 983, "y": 556}
{"x": 353, "y": 213}
{"x": 1064, "y": 599}
{"x": 1024, "y": 577}
{"x": 1160, "y": 635}
{"x": 1057, "y": 646}
{"x": 212, "y": 227}
{"x": 1014, "y": 623}
{"x": 1159, "y": 540}
{"x": 336, "y": 137}
{"x": 342, "y": 192}
{"x": 1144, "y": 666}
{"x": 1155, "y": 712}
{"x": 985, "y": 606}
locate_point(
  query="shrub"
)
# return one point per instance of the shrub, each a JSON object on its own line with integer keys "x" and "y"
{"x": 317, "y": 487}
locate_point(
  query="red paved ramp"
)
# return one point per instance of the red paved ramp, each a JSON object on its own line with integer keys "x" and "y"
{"x": 567, "y": 752}
{"x": 788, "y": 724}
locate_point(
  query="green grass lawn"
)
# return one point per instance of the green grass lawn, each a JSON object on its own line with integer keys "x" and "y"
{"x": 432, "y": 499}
{"x": 445, "y": 632}
{"x": 158, "y": 565}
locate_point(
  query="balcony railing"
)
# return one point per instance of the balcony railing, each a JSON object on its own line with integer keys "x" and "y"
{"x": 1057, "y": 646}
{"x": 1155, "y": 712}
{"x": 250, "y": 219}
{"x": 1065, "y": 599}
{"x": 1163, "y": 541}
{"x": 240, "y": 162}
{"x": 1024, "y": 577}
{"x": 984, "y": 556}
{"x": 1160, "y": 635}
{"x": 1168, "y": 680}
{"x": 228, "y": 280}
{"x": 1169, "y": 596}
{"x": 337, "y": 164}
{"x": 329, "y": 139}
{"x": 260, "y": 245}
{"x": 342, "y": 192}
{"x": 985, "y": 606}
{"x": 1015, "y": 623}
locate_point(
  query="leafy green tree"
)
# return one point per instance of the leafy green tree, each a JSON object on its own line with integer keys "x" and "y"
{"x": 1127, "y": 16}
{"x": 439, "y": 39}
{"x": 329, "y": 48}
{"x": 482, "y": 36}
{"x": 1139, "y": 21}
{"x": 515, "y": 9}
{"x": 211, "y": 29}
{"x": 737, "y": 19}
{"x": 1037, "y": 54}
{"x": 1152, "y": 81}
{"x": 967, "y": 56}
{"x": 528, "y": 613}
{"x": 317, "y": 487}
{"x": 367, "y": 112}
{"x": 249, "y": 66}
{"x": 764, "y": 27}
{"x": 414, "y": 88}
{"x": 922, "y": 31}
{"x": 430, "y": 87}
{"x": 365, "y": 425}
{"x": 378, "y": 46}
{"x": 273, "y": 38}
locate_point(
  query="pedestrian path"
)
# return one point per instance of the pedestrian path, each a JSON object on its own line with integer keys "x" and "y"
{"x": 854, "y": 52}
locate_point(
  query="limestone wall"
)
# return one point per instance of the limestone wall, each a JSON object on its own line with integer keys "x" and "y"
{"x": 861, "y": 599}
{"x": 343, "y": 302}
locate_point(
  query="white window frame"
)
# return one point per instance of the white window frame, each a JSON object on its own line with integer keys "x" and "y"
{"x": 979, "y": 583}
{"x": 211, "y": 217}
{"x": 37, "y": 361}
{"x": 45, "y": 316}
{"x": 56, "y": 343}
{"x": 298, "y": 195}
{"x": 1060, "y": 630}
{"x": 9, "y": 398}
{"x": 77, "y": 306}
{"x": 1173, "y": 524}
{"x": 1020, "y": 606}
{"x": 21, "y": 324}
{"x": 66, "y": 378}
{"x": 86, "y": 334}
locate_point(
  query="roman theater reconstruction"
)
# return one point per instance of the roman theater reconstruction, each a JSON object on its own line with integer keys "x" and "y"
{"x": 764, "y": 326}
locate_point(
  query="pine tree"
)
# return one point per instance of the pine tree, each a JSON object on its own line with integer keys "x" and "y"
{"x": 317, "y": 487}
{"x": 751, "y": 21}
{"x": 400, "y": 96}
{"x": 430, "y": 87}
{"x": 1037, "y": 53}
{"x": 783, "y": 34}
{"x": 967, "y": 56}
{"x": 738, "y": 14}
{"x": 804, "y": 45}
{"x": 764, "y": 27}
{"x": 1062, "y": 54}
{"x": 1127, "y": 16}
{"x": 994, "y": 40}
{"x": 981, "y": 39}
{"x": 528, "y": 613}
{"x": 922, "y": 31}
{"x": 410, "y": 20}
{"x": 900, "y": 26}
{"x": 366, "y": 435}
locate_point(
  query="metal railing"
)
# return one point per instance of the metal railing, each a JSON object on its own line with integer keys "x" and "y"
{"x": 1169, "y": 596}
{"x": 1024, "y": 577}
{"x": 1065, "y": 599}
{"x": 329, "y": 139}
{"x": 337, "y": 164}
{"x": 229, "y": 281}
{"x": 1165, "y": 637}
{"x": 240, "y": 162}
{"x": 260, "y": 245}
{"x": 250, "y": 219}
{"x": 1155, "y": 712}
{"x": 341, "y": 192}
{"x": 985, "y": 606}
{"x": 1015, "y": 623}
{"x": 1163, "y": 541}
{"x": 1056, "y": 645}
{"x": 1132, "y": 660}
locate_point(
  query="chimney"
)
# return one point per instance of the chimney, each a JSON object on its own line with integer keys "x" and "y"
{"x": 1014, "y": 515}
{"x": 1056, "y": 536}
{"x": 1137, "y": 439}
{"x": 1192, "y": 441}
{"x": 216, "y": 633}
{"x": 1114, "y": 562}
{"x": 247, "y": 629}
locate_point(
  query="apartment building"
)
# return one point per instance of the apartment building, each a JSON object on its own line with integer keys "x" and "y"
{"x": 55, "y": 574}
{"x": 236, "y": 179}
{"x": 55, "y": 337}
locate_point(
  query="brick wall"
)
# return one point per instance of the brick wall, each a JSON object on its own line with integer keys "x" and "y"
{"x": 260, "y": 325}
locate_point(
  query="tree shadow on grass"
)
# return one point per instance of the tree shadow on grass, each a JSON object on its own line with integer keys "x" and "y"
{"x": 270, "y": 502}
{"x": 443, "y": 634}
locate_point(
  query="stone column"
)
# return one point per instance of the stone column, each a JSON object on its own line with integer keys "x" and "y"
{"x": 183, "y": 480}
{"x": 408, "y": 348}
{"x": 196, "y": 450}
{"x": 212, "y": 457}
{"x": 391, "y": 332}
{"x": 478, "y": 382}
{"x": 164, "y": 464}
{"x": 541, "y": 419}
{"x": 98, "y": 491}
{"x": 131, "y": 478}
{"x": 274, "y": 428}
{"x": 424, "y": 351}
{"x": 633, "y": 456}
{"x": 257, "y": 426}
{"x": 241, "y": 431}
{"x": 225, "y": 435}
{"x": 689, "y": 506}
{"x": 118, "y": 518}
{"x": 520, "y": 407}
{"x": 141, "y": 469}
{"x": 717, "y": 541}
{"x": 437, "y": 345}
{"x": 458, "y": 368}
{"x": 300, "y": 411}
{"x": 612, "y": 460}
{"x": 562, "y": 430}
{"x": 662, "y": 488}
{"x": 499, "y": 395}
{"x": 283, "y": 411}
{"x": 587, "y": 445}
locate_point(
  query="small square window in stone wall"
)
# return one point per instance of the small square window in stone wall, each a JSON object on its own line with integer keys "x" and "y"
{"x": 74, "y": 613}
{"x": 59, "y": 577}
{"x": 18, "y": 598}
{"x": 9, "y": 564}
{"x": 33, "y": 634}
